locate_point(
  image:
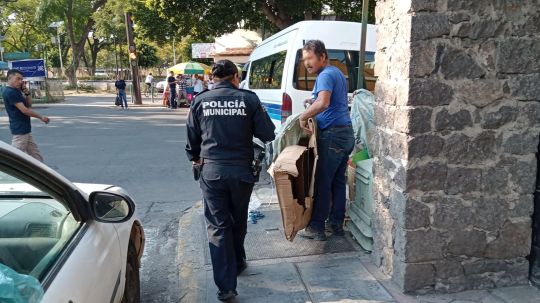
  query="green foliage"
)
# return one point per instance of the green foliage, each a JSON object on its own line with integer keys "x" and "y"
{"x": 147, "y": 55}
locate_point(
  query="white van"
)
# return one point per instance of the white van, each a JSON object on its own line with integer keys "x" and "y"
{"x": 276, "y": 72}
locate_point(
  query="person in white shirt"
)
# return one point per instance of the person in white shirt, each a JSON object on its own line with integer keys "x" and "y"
{"x": 198, "y": 85}
{"x": 149, "y": 80}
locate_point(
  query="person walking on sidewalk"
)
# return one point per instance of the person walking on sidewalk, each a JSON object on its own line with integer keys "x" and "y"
{"x": 18, "y": 101}
{"x": 120, "y": 85}
{"x": 335, "y": 140}
{"x": 220, "y": 129}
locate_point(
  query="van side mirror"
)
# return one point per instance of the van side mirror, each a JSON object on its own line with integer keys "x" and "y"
{"x": 109, "y": 207}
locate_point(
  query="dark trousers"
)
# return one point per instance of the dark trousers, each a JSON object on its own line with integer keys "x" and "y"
{"x": 172, "y": 98}
{"x": 333, "y": 146}
{"x": 226, "y": 192}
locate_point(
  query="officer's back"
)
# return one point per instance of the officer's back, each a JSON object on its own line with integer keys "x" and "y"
{"x": 223, "y": 121}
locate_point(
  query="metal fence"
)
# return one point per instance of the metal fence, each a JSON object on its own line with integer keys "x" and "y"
{"x": 49, "y": 91}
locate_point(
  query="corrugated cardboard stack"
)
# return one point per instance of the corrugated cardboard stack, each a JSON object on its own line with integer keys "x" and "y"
{"x": 294, "y": 175}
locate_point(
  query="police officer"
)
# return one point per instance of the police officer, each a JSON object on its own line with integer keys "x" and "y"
{"x": 220, "y": 129}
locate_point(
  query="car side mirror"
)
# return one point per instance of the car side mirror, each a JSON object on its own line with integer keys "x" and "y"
{"x": 109, "y": 207}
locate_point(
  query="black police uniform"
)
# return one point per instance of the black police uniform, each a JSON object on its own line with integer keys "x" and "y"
{"x": 221, "y": 125}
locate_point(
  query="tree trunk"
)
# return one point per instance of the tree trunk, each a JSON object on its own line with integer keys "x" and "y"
{"x": 277, "y": 15}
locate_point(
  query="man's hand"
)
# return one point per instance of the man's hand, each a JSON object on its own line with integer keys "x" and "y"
{"x": 308, "y": 102}
{"x": 45, "y": 120}
{"x": 198, "y": 161}
{"x": 304, "y": 124}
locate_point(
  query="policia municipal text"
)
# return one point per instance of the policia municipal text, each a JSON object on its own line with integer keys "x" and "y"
{"x": 221, "y": 125}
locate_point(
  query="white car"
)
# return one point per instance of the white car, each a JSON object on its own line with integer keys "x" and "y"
{"x": 160, "y": 86}
{"x": 81, "y": 242}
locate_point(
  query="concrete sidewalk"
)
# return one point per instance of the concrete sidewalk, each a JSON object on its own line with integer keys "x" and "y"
{"x": 303, "y": 271}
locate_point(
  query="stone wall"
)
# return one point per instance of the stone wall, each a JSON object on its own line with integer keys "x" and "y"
{"x": 458, "y": 125}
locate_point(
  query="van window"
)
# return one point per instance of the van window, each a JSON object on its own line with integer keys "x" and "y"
{"x": 346, "y": 61}
{"x": 267, "y": 72}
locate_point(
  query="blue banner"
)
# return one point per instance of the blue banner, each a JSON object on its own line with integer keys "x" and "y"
{"x": 34, "y": 68}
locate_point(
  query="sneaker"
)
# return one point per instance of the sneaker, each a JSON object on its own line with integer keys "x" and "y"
{"x": 227, "y": 295}
{"x": 313, "y": 234}
{"x": 337, "y": 230}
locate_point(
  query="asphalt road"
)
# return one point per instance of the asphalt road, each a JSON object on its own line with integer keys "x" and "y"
{"x": 141, "y": 150}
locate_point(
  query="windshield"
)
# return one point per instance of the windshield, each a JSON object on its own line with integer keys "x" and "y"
{"x": 11, "y": 186}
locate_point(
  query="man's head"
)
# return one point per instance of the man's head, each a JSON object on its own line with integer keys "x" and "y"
{"x": 118, "y": 77}
{"x": 15, "y": 78}
{"x": 150, "y": 74}
{"x": 225, "y": 70}
{"x": 171, "y": 73}
{"x": 315, "y": 56}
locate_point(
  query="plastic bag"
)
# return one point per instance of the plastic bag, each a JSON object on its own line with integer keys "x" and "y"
{"x": 18, "y": 288}
{"x": 363, "y": 121}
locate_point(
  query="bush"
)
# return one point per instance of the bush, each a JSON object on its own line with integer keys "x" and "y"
{"x": 82, "y": 87}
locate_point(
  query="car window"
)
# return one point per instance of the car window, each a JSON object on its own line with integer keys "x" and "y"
{"x": 346, "y": 61}
{"x": 35, "y": 226}
{"x": 267, "y": 72}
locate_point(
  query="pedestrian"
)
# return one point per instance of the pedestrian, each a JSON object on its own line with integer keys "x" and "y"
{"x": 335, "y": 140}
{"x": 18, "y": 103}
{"x": 120, "y": 85}
{"x": 171, "y": 81}
{"x": 149, "y": 81}
{"x": 221, "y": 125}
{"x": 198, "y": 85}
{"x": 210, "y": 83}
{"x": 182, "y": 85}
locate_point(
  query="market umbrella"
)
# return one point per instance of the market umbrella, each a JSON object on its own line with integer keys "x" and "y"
{"x": 189, "y": 68}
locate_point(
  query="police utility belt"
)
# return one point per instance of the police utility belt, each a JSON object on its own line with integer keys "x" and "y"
{"x": 255, "y": 166}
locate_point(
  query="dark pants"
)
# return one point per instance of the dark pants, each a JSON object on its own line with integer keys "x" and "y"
{"x": 226, "y": 191}
{"x": 172, "y": 98}
{"x": 333, "y": 146}
{"x": 123, "y": 98}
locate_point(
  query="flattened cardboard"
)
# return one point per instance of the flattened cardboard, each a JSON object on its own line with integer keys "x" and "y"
{"x": 294, "y": 189}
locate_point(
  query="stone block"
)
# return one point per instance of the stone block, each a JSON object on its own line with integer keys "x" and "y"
{"x": 458, "y": 17}
{"x": 425, "y": 145}
{"x": 461, "y": 149}
{"x": 456, "y": 64}
{"x": 426, "y": 26}
{"x": 424, "y": 6}
{"x": 529, "y": 114}
{"x": 523, "y": 176}
{"x": 495, "y": 180}
{"x": 478, "y": 29}
{"x": 522, "y": 206}
{"x": 419, "y": 120}
{"x": 490, "y": 213}
{"x": 448, "y": 268}
{"x": 422, "y": 246}
{"x": 416, "y": 215}
{"x": 477, "y": 6}
{"x": 496, "y": 119}
{"x": 525, "y": 87}
{"x": 470, "y": 243}
{"x": 429, "y": 92}
{"x": 463, "y": 180}
{"x": 451, "y": 214}
{"x": 423, "y": 55}
{"x": 480, "y": 93}
{"x": 518, "y": 56}
{"x": 398, "y": 146}
{"x": 514, "y": 240}
{"x": 521, "y": 143}
{"x": 417, "y": 277}
{"x": 453, "y": 121}
{"x": 429, "y": 177}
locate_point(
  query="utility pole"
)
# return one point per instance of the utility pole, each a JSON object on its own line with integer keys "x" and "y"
{"x": 362, "y": 55}
{"x": 133, "y": 60}
{"x": 174, "y": 49}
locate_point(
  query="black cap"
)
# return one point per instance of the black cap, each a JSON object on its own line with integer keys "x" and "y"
{"x": 224, "y": 68}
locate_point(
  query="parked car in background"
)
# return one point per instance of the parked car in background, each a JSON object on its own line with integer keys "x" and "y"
{"x": 160, "y": 86}
{"x": 82, "y": 242}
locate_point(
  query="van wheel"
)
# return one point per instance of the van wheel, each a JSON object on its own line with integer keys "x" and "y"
{"x": 132, "y": 289}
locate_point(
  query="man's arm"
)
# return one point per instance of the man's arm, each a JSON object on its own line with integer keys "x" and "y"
{"x": 263, "y": 127}
{"x": 321, "y": 104}
{"x": 30, "y": 113}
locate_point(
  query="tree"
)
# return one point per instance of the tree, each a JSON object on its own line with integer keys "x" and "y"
{"x": 147, "y": 55}
{"x": 78, "y": 18}
{"x": 203, "y": 18}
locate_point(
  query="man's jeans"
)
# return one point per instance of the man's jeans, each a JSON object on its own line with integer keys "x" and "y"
{"x": 123, "y": 98}
{"x": 334, "y": 145}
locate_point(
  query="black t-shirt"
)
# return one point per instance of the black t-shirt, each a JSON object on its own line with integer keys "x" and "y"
{"x": 120, "y": 84}
{"x": 19, "y": 123}
{"x": 172, "y": 84}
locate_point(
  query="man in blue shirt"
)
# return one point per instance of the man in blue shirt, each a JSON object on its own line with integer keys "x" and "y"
{"x": 335, "y": 141}
{"x": 17, "y": 101}
{"x": 120, "y": 85}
